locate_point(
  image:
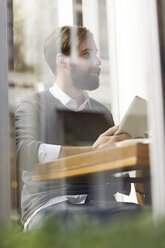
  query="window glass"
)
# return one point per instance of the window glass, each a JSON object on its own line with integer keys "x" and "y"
{"x": 102, "y": 23}
{"x": 77, "y": 12}
{"x": 68, "y": 87}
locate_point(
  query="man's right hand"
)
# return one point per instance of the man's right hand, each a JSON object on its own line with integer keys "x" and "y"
{"x": 108, "y": 139}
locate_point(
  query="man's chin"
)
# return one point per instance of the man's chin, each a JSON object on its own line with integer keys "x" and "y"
{"x": 90, "y": 86}
{"x": 93, "y": 87}
{"x": 86, "y": 83}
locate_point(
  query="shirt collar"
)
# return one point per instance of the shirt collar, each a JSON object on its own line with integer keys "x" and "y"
{"x": 67, "y": 101}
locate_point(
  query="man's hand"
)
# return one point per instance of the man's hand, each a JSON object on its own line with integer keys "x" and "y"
{"x": 108, "y": 139}
{"x": 105, "y": 140}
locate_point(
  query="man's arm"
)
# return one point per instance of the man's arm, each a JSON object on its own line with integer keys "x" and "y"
{"x": 104, "y": 141}
{"x": 73, "y": 150}
{"x": 49, "y": 152}
{"x": 27, "y": 126}
{"x": 29, "y": 143}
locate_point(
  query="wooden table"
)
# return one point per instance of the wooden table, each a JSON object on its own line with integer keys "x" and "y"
{"x": 124, "y": 158}
{"x": 129, "y": 157}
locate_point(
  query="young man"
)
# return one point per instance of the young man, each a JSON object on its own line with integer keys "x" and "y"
{"x": 71, "y": 54}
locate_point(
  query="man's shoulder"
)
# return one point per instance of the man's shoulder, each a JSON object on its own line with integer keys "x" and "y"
{"x": 101, "y": 108}
{"x": 36, "y": 99}
{"x": 97, "y": 105}
{"x": 92, "y": 100}
{"x": 32, "y": 102}
{"x": 35, "y": 96}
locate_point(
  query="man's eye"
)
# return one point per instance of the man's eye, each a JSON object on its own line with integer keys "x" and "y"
{"x": 87, "y": 54}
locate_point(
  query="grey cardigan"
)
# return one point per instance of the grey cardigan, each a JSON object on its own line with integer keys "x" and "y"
{"x": 41, "y": 118}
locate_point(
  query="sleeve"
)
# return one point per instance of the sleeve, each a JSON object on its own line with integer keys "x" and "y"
{"x": 27, "y": 124}
{"x": 48, "y": 152}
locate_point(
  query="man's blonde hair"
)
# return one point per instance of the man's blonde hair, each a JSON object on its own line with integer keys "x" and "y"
{"x": 62, "y": 40}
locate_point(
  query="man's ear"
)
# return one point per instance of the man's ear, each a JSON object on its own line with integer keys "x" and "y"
{"x": 61, "y": 59}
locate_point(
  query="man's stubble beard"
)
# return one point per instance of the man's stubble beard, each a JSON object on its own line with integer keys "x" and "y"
{"x": 85, "y": 79}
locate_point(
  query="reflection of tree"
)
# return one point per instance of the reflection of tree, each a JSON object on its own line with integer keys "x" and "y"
{"x": 19, "y": 40}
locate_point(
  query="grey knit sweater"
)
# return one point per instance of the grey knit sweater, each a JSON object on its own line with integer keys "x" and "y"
{"x": 41, "y": 118}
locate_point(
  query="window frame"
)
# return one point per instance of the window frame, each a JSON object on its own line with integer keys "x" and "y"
{"x": 4, "y": 118}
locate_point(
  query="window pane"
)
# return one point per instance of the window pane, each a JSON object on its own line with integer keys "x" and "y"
{"x": 77, "y": 13}
{"x": 102, "y": 15}
{"x": 64, "y": 100}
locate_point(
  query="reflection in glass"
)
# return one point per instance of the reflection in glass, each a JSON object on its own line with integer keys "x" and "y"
{"x": 58, "y": 123}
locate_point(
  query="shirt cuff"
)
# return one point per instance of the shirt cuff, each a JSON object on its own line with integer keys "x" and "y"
{"x": 47, "y": 152}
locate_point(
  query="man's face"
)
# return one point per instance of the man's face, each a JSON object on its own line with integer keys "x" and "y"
{"x": 85, "y": 66}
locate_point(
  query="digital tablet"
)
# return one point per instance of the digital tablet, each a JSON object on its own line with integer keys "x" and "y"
{"x": 134, "y": 121}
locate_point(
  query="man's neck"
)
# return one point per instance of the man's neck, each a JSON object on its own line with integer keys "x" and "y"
{"x": 66, "y": 86}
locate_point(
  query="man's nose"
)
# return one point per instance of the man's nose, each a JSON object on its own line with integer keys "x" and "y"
{"x": 98, "y": 61}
